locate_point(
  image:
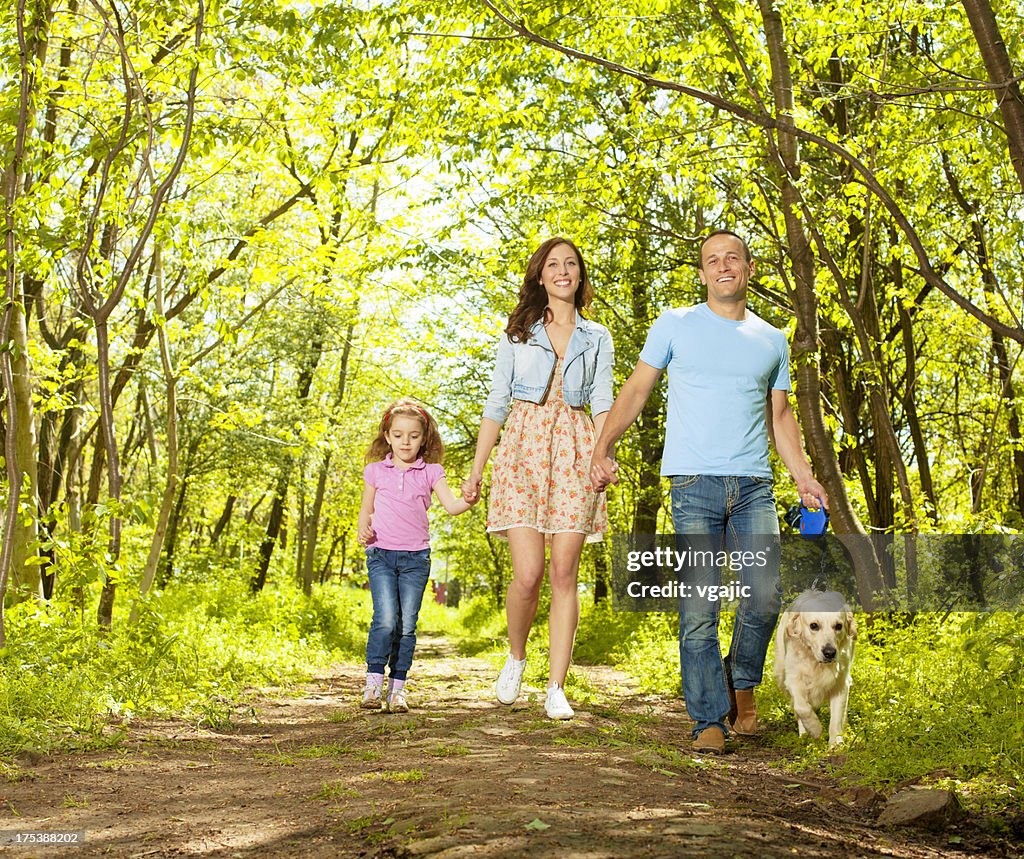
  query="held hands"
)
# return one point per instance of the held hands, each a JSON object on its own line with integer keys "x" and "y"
{"x": 471, "y": 488}
{"x": 603, "y": 472}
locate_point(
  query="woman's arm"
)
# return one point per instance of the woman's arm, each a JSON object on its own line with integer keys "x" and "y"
{"x": 364, "y": 530}
{"x": 601, "y": 396}
{"x": 497, "y": 404}
{"x": 486, "y": 438}
{"x": 449, "y": 502}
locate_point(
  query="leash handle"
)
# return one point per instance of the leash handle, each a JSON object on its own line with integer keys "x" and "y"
{"x": 813, "y": 523}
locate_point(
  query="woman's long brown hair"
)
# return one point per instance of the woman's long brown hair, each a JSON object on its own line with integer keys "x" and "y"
{"x": 533, "y": 300}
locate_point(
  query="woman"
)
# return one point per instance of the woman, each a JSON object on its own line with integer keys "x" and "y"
{"x": 551, "y": 362}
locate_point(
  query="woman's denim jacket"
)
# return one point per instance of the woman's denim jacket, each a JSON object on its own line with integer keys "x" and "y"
{"x": 523, "y": 371}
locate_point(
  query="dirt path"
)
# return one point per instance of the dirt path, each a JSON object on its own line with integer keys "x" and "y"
{"x": 458, "y": 776}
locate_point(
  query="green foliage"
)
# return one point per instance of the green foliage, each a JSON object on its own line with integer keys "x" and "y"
{"x": 351, "y": 224}
{"x": 940, "y": 695}
{"x": 934, "y": 697}
{"x": 194, "y": 651}
{"x": 474, "y": 626}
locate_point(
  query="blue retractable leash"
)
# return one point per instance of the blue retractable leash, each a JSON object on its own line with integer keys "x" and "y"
{"x": 812, "y": 524}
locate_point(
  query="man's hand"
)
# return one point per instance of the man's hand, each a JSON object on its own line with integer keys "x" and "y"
{"x": 603, "y": 472}
{"x": 812, "y": 493}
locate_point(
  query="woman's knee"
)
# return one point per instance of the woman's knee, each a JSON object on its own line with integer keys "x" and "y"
{"x": 564, "y": 576}
{"x": 526, "y": 584}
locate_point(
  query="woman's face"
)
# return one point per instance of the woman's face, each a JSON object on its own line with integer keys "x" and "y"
{"x": 560, "y": 274}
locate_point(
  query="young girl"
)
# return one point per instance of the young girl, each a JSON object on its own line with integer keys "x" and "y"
{"x": 403, "y": 468}
{"x": 551, "y": 363}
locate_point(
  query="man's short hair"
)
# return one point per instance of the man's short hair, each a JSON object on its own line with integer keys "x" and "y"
{"x": 711, "y": 235}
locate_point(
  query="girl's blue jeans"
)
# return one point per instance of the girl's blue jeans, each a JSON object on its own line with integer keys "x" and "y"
{"x": 397, "y": 582}
{"x": 712, "y": 514}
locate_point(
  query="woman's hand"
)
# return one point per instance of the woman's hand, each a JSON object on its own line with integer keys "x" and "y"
{"x": 365, "y": 534}
{"x": 471, "y": 488}
{"x": 603, "y": 472}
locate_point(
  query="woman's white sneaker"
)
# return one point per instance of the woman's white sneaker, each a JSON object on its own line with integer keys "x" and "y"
{"x": 509, "y": 680}
{"x": 556, "y": 706}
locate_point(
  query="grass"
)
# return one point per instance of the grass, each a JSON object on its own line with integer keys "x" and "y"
{"x": 939, "y": 699}
{"x": 291, "y": 757}
{"x": 400, "y": 776}
{"x": 448, "y": 750}
{"x": 337, "y": 790}
{"x": 195, "y": 651}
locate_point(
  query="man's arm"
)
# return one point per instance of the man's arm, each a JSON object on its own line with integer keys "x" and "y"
{"x": 785, "y": 434}
{"x": 626, "y": 408}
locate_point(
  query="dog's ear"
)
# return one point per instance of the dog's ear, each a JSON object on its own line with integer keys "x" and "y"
{"x": 793, "y": 625}
{"x": 851, "y": 625}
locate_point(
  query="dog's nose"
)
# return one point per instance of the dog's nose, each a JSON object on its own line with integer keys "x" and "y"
{"x": 828, "y": 652}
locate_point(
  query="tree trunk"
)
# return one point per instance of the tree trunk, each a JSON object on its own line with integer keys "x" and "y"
{"x": 313, "y": 527}
{"x": 225, "y": 518}
{"x": 165, "y": 569}
{"x": 301, "y": 526}
{"x": 58, "y": 456}
{"x": 1000, "y": 73}
{"x": 325, "y": 570}
{"x": 321, "y": 487}
{"x": 108, "y": 435}
{"x": 600, "y": 576}
{"x": 259, "y": 580}
{"x": 156, "y": 544}
{"x": 25, "y": 580}
{"x": 805, "y": 342}
{"x": 924, "y": 469}
{"x": 19, "y": 441}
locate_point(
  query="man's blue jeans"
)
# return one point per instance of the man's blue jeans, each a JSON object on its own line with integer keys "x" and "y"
{"x": 713, "y": 514}
{"x": 397, "y": 582}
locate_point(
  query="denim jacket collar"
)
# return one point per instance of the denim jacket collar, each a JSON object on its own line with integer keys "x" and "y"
{"x": 580, "y": 338}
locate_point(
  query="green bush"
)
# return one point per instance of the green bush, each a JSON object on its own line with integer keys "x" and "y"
{"x": 934, "y": 697}
{"x": 193, "y": 650}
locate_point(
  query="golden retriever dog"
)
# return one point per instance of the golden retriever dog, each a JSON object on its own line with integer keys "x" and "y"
{"x": 813, "y": 653}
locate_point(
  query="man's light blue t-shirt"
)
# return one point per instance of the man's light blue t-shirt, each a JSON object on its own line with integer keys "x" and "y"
{"x": 719, "y": 375}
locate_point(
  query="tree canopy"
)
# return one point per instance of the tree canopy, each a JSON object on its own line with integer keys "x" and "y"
{"x": 235, "y": 231}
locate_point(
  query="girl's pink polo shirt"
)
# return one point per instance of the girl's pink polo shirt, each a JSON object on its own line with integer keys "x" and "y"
{"x": 400, "y": 503}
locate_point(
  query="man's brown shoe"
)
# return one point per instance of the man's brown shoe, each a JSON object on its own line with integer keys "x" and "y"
{"x": 710, "y": 741}
{"x": 744, "y": 720}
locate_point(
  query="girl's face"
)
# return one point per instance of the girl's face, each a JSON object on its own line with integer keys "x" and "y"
{"x": 560, "y": 274}
{"x": 405, "y": 437}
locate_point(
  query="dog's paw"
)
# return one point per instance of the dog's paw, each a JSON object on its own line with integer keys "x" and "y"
{"x": 812, "y": 726}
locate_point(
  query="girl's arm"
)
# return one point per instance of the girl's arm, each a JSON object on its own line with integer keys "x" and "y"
{"x": 365, "y": 532}
{"x": 444, "y": 494}
{"x": 485, "y": 441}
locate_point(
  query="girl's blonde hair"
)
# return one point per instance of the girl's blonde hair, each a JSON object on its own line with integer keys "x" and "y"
{"x": 432, "y": 449}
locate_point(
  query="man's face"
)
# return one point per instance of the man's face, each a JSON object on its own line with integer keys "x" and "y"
{"x": 724, "y": 269}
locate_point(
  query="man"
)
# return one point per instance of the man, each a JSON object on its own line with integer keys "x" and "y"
{"x": 725, "y": 366}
